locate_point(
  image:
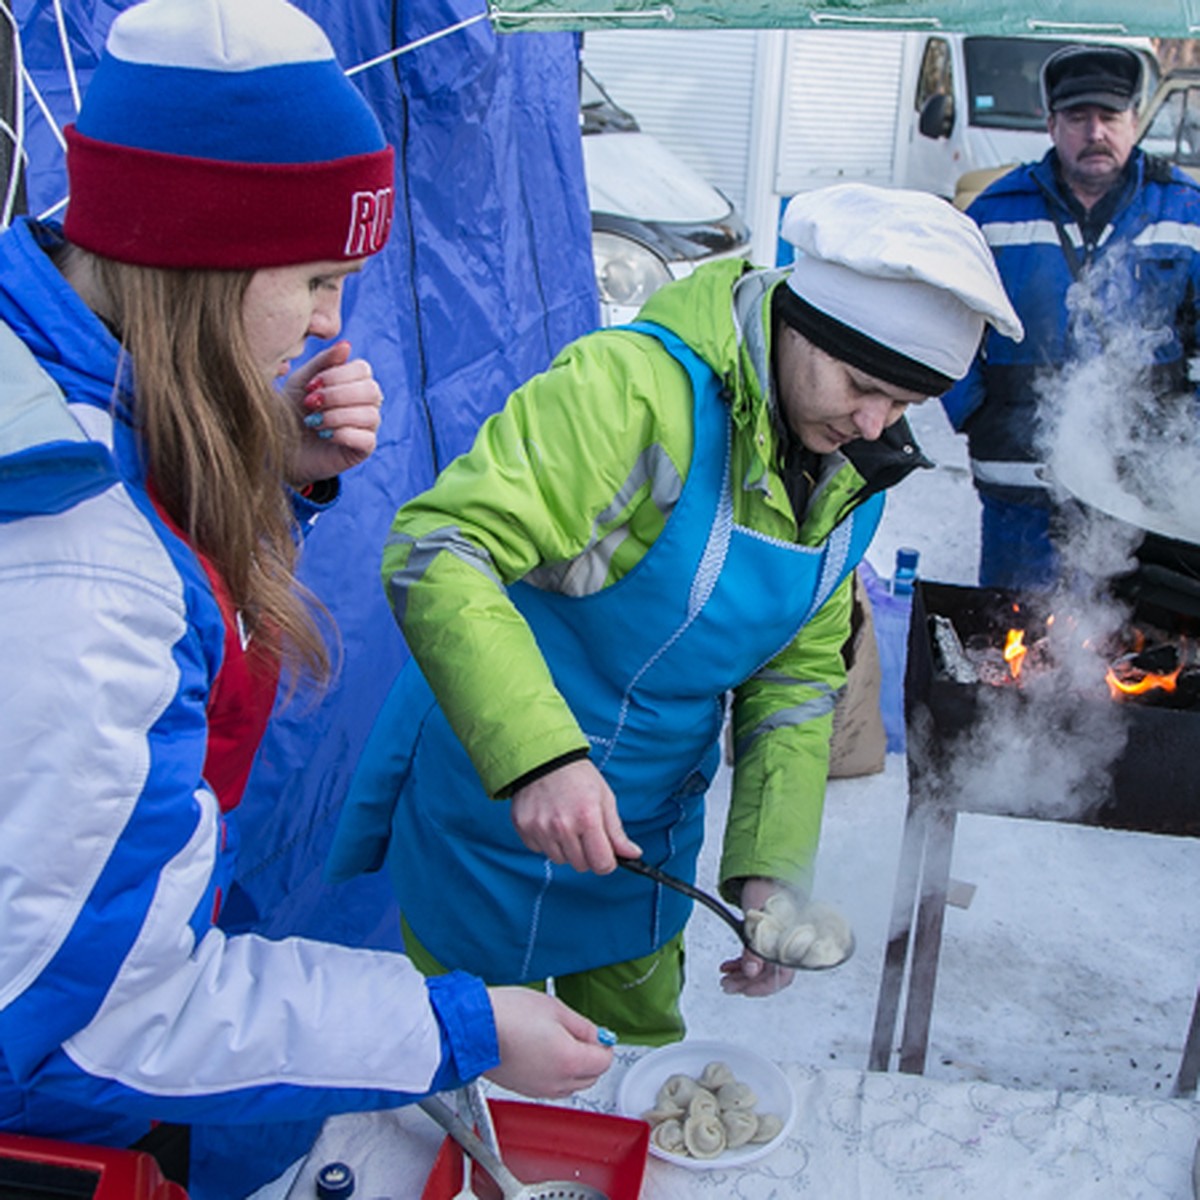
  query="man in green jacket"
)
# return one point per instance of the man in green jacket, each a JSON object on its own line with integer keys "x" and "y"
{"x": 666, "y": 518}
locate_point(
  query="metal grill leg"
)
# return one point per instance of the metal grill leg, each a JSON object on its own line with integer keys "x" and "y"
{"x": 927, "y": 940}
{"x": 891, "y": 981}
{"x": 1189, "y": 1068}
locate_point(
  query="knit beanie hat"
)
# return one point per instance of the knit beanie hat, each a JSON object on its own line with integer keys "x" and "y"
{"x": 897, "y": 283}
{"x": 223, "y": 134}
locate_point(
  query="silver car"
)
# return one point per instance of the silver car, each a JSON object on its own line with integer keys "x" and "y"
{"x": 654, "y": 219}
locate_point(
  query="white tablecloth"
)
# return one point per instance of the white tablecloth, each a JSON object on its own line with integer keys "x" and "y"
{"x": 858, "y": 1136}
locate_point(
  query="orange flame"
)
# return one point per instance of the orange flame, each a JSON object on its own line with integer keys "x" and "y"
{"x": 1139, "y": 687}
{"x": 1015, "y": 651}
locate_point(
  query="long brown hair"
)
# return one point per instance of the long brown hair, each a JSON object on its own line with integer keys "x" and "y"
{"x": 215, "y": 435}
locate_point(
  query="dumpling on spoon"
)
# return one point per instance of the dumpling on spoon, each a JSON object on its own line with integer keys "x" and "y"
{"x": 809, "y": 936}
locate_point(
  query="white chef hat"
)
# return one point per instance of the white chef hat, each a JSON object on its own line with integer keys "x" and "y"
{"x": 898, "y": 283}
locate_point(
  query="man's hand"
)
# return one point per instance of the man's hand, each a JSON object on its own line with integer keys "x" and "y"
{"x": 570, "y": 816}
{"x": 546, "y": 1049}
{"x": 338, "y": 401}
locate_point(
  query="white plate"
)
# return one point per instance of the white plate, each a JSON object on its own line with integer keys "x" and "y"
{"x": 639, "y": 1089}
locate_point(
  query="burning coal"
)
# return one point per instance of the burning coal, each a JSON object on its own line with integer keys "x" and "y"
{"x": 1141, "y": 661}
{"x": 1044, "y": 732}
{"x": 1078, "y": 723}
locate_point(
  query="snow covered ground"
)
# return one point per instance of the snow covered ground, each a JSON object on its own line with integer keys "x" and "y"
{"x": 1075, "y": 965}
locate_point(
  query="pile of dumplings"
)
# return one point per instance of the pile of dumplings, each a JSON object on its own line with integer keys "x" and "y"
{"x": 812, "y": 935}
{"x": 702, "y": 1118}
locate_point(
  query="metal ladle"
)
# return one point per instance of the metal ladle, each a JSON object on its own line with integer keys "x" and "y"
{"x": 511, "y": 1187}
{"x": 481, "y": 1116}
{"x": 736, "y": 923}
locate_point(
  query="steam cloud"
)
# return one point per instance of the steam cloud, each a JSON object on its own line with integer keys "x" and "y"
{"x": 1123, "y": 457}
{"x": 1111, "y": 435}
{"x": 1041, "y": 751}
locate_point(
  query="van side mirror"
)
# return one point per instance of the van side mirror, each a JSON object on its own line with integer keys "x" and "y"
{"x": 937, "y": 116}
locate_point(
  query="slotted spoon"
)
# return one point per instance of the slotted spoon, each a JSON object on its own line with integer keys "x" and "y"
{"x": 466, "y": 1192}
{"x": 511, "y": 1187}
{"x": 736, "y": 923}
{"x": 481, "y": 1115}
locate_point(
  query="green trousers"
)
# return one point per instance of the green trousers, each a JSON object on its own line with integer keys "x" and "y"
{"x": 638, "y": 1000}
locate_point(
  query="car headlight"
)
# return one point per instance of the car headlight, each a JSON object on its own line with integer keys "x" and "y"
{"x": 626, "y": 272}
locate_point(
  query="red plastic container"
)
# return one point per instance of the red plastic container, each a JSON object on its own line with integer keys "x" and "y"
{"x": 540, "y": 1142}
{"x": 41, "y": 1167}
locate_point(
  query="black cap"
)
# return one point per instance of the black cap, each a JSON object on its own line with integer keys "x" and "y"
{"x": 1109, "y": 76}
{"x": 335, "y": 1181}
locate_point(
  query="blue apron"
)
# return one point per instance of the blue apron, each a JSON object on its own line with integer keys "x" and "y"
{"x": 644, "y": 665}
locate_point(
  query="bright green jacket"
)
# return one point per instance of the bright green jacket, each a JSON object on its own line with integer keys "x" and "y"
{"x": 567, "y": 486}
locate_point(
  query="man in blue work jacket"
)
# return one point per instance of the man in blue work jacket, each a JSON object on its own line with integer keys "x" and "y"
{"x": 1098, "y": 212}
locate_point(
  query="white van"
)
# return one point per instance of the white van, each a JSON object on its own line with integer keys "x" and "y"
{"x": 786, "y": 111}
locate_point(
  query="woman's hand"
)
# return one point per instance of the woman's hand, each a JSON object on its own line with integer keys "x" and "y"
{"x": 749, "y": 975}
{"x": 546, "y": 1049}
{"x": 338, "y": 400}
{"x": 570, "y": 816}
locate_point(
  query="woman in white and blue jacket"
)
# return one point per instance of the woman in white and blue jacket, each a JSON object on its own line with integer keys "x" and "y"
{"x": 146, "y": 581}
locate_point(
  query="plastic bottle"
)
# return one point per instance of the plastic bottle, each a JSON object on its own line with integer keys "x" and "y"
{"x": 906, "y": 571}
{"x": 892, "y": 611}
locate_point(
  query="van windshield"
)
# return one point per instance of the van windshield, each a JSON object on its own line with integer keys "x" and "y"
{"x": 1003, "y": 81}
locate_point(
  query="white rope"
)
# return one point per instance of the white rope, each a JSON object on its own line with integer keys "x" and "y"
{"x": 65, "y": 42}
{"x": 45, "y": 108}
{"x": 15, "y": 132}
{"x": 424, "y": 41}
{"x": 54, "y": 208}
{"x": 48, "y": 116}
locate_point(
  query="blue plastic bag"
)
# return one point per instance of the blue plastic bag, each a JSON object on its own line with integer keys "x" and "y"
{"x": 892, "y": 612}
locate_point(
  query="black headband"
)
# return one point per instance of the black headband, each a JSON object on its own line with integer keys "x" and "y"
{"x": 855, "y": 348}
